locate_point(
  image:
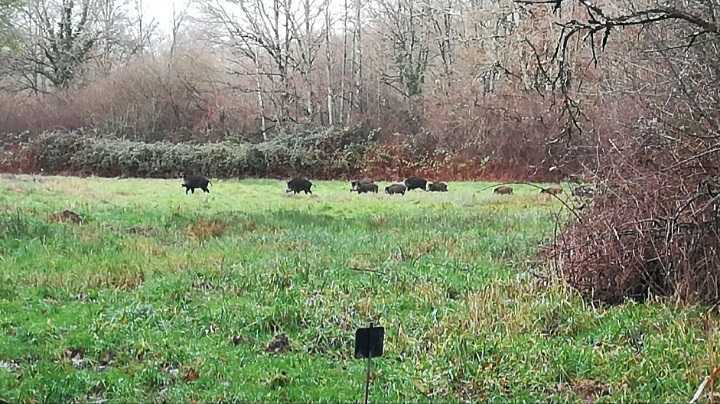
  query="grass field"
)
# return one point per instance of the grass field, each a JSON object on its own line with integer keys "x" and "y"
{"x": 163, "y": 297}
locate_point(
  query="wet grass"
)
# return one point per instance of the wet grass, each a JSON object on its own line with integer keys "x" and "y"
{"x": 158, "y": 296}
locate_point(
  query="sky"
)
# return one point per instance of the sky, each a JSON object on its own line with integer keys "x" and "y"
{"x": 162, "y": 11}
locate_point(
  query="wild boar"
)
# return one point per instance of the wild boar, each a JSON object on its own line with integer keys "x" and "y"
{"x": 297, "y": 185}
{"x": 196, "y": 181}
{"x": 503, "y": 190}
{"x": 364, "y": 187}
{"x": 554, "y": 190}
{"x": 395, "y": 189}
{"x": 416, "y": 183}
{"x": 438, "y": 187}
{"x": 356, "y": 183}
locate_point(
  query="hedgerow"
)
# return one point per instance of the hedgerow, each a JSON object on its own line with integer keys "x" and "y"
{"x": 320, "y": 153}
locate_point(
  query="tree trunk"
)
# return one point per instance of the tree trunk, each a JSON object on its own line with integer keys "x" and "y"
{"x": 307, "y": 69}
{"x": 328, "y": 62}
{"x": 359, "y": 67}
{"x": 260, "y": 100}
{"x": 286, "y": 59}
{"x": 343, "y": 74}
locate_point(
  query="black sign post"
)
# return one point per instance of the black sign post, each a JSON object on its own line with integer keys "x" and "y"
{"x": 369, "y": 344}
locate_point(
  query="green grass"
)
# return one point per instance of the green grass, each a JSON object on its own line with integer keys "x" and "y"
{"x": 150, "y": 291}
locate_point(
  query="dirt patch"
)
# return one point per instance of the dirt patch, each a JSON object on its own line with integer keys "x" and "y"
{"x": 170, "y": 369}
{"x": 378, "y": 221}
{"x": 76, "y": 356}
{"x": 190, "y": 375}
{"x": 279, "y": 344}
{"x": 238, "y": 339}
{"x": 586, "y": 390}
{"x": 22, "y": 178}
{"x": 105, "y": 360}
{"x": 128, "y": 279}
{"x": 141, "y": 230}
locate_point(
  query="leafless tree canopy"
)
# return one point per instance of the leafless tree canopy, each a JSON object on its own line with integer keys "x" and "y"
{"x": 58, "y": 43}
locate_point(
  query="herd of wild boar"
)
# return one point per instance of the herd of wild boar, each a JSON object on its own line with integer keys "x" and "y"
{"x": 366, "y": 185}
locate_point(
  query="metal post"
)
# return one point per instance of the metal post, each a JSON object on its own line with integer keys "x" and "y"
{"x": 367, "y": 380}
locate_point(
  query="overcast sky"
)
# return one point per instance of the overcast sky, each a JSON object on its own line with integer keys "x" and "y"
{"x": 161, "y": 10}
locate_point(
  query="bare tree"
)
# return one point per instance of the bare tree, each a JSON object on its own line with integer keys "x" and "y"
{"x": 442, "y": 19}
{"x": 328, "y": 62}
{"x": 61, "y": 42}
{"x": 600, "y": 23}
{"x": 343, "y": 73}
{"x": 178, "y": 18}
{"x": 144, "y": 28}
{"x": 259, "y": 93}
{"x": 110, "y": 13}
{"x": 357, "y": 57}
{"x": 8, "y": 8}
{"x": 125, "y": 32}
{"x": 257, "y": 32}
{"x": 308, "y": 39}
{"x": 57, "y": 40}
{"x": 406, "y": 26}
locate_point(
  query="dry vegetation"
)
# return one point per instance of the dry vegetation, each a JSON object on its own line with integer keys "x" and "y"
{"x": 654, "y": 227}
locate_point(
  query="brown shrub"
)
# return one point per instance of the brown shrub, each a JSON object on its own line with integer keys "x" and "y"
{"x": 653, "y": 229}
{"x": 149, "y": 99}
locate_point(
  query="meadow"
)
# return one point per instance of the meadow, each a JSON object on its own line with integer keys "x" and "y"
{"x": 158, "y": 296}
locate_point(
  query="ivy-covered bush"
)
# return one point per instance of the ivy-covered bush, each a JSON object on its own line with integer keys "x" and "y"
{"x": 326, "y": 153}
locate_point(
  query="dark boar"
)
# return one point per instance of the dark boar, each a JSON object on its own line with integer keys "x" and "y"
{"x": 438, "y": 187}
{"x": 395, "y": 189}
{"x": 196, "y": 181}
{"x": 416, "y": 183}
{"x": 365, "y": 187}
{"x": 552, "y": 190}
{"x": 504, "y": 190}
{"x": 297, "y": 185}
{"x": 356, "y": 183}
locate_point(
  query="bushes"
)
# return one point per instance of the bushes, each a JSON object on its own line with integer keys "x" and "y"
{"x": 318, "y": 153}
{"x": 646, "y": 244}
{"x": 327, "y": 153}
{"x": 149, "y": 99}
{"x": 324, "y": 153}
{"x": 654, "y": 229}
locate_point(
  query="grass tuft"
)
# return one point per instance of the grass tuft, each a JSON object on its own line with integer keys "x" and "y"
{"x": 204, "y": 229}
